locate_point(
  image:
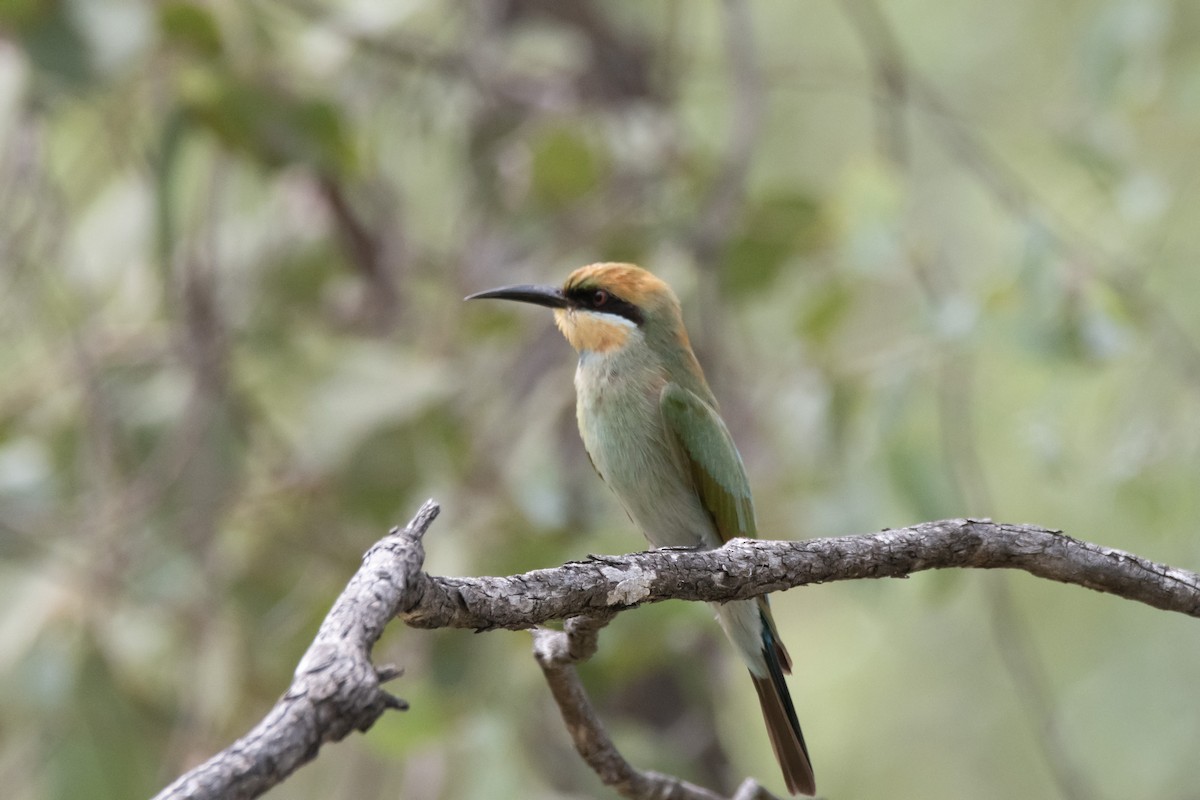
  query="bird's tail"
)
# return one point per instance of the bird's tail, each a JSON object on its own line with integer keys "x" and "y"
{"x": 783, "y": 727}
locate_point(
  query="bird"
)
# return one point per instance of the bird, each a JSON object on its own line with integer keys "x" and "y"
{"x": 651, "y": 427}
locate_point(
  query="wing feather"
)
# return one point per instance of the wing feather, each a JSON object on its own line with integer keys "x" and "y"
{"x": 708, "y": 453}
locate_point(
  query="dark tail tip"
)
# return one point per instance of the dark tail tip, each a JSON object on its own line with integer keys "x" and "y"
{"x": 786, "y": 739}
{"x": 783, "y": 726}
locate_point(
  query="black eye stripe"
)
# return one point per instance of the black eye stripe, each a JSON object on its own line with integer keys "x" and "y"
{"x": 606, "y": 301}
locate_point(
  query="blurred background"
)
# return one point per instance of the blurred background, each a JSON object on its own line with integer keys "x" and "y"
{"x": 938, "y": 260}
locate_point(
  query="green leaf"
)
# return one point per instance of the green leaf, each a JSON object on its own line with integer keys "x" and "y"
{"x": 267, "y": 123}
{"x": 50, "y": 38}
{"x": 566, "y": 167}
{"x": 776, "y": 229}
{"x": 190, "y": 26}
{"x": 825, "y": 310}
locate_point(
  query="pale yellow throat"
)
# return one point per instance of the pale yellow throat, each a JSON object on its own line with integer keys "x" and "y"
{"x": 591, "y": 332}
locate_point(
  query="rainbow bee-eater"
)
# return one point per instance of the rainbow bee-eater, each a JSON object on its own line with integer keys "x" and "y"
{"x": 650, "y": 424}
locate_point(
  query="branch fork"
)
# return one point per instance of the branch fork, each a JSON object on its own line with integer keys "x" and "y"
{"x": 336, "y": 689}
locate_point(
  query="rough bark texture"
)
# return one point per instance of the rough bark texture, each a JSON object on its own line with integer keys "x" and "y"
{"x": 748, "y": 567}
{"x": 337, "y": 690}
{"x": 557, "y": 652}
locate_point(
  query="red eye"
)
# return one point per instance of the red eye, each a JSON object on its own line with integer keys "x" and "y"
{"x": 599, "y": 298}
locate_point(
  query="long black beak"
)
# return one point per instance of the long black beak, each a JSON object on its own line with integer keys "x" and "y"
{"x": 549, "y": 296}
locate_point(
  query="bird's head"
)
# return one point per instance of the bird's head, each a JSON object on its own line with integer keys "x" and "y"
{"x": 602, "y": 308}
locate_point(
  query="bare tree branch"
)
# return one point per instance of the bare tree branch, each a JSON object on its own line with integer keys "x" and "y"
{"x": 379, "y": 300}
{"x": 557, "y": 652}
{"x": 746, "y": 568}
{"x": 336, "y": 689}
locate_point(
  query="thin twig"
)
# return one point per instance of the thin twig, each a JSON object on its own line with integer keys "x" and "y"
{"x": 557, "y": 652}
{"x": 902, "y": 84}
{"x": 715, "y": 219}
{"x": 891, "y": 76}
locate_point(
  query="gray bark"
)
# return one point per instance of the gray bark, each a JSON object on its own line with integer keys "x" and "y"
{"x": 337, "y": 690}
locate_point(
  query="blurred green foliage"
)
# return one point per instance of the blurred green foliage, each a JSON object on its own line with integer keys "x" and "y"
{"x": 945, "y": 267}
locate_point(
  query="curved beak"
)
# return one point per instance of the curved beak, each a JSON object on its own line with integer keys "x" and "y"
{"x": 549, "y": 296}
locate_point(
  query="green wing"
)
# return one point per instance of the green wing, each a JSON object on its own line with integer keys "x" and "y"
{"x": 708, "y": 453}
